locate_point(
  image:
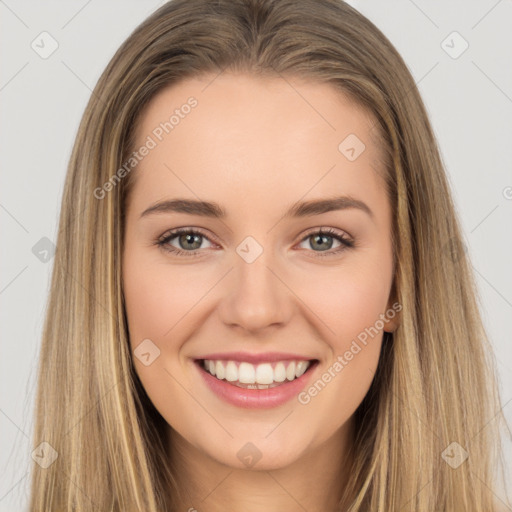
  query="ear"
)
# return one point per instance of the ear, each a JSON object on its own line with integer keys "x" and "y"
{"x": 391, "y": 324}
{"x": 392, "y": 316}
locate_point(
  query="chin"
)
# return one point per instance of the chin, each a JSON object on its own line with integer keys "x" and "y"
{"x": 258, "y": 454}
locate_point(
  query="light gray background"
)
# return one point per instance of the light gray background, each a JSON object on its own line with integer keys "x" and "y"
{"x": 469, "y": 100}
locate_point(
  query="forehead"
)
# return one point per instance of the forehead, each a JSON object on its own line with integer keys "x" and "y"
{"x": 281, "y": 137}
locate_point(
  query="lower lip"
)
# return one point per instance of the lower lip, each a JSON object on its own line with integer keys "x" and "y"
{"x": 256, "y": 398}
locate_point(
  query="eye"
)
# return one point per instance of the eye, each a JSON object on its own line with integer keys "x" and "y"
{"x": 322, "y": 239}
{"x": 187, "y": 238}
{"x": 190, "y": 240}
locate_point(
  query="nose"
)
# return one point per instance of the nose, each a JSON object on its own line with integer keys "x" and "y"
{"x": 256, "y": 296}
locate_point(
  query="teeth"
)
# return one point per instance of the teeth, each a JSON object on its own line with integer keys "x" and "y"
{"x": 280, "y": 372}
{"x": 300, "y": 368}
{"x": 290, "y": 371}
{"x": 246, "y": 373}
{"x": 261, "y": 376}
{"x": 264, "y": 374}
{"x": 231, "y": 372}
{"x": 220, "y": 371}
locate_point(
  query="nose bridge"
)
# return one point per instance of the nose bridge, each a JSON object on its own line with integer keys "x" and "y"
{"x": 257, "y": 297}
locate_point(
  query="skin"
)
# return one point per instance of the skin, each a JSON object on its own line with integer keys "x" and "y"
{"x": 255, "y": 146}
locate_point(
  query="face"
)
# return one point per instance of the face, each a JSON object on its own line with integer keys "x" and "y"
{"x": 281, "y": 290}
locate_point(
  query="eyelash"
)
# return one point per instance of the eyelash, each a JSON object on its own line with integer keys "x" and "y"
{"x": 163, "y": 241}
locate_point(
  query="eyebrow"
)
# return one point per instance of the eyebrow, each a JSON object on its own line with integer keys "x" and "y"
{"x": 299, "y": 209}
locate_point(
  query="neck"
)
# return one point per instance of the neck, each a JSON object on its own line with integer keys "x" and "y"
{"x": 314, "y": 482}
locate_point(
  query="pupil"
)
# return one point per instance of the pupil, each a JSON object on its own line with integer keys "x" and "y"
{"x": 322, "y": 238}
{"x": 189, "y": 238}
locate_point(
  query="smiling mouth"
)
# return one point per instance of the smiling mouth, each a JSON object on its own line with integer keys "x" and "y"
{"x": 256, "y": 376}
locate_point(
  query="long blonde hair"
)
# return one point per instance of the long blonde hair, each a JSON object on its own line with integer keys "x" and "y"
{"x": 435, "y": 383}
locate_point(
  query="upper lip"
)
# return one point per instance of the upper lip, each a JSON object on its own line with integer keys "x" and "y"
{"x": 264, "y": 357}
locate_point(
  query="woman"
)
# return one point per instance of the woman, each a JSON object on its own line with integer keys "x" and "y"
{"x": 256, "y": 372}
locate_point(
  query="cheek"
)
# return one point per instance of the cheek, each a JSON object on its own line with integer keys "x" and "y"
{"x": 350, "y": 301}
{"x": 345, "y": 378}
{"x": 157, "y": 297}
